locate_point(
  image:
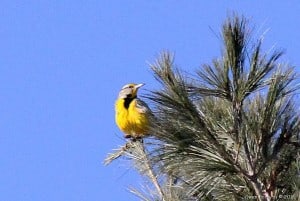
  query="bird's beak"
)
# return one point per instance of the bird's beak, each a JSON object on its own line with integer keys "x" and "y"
{"x": 139, "y": 85}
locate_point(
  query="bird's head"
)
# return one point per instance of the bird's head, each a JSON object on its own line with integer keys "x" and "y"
{"x": 129, "y": 90}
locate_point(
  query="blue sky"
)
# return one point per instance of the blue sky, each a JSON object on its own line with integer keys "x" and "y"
{"x": 62, "y": 64}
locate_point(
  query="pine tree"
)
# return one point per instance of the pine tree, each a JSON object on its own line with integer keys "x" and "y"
{"x": 231, "y": 132}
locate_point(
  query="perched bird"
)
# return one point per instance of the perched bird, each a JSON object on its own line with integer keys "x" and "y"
{"x": 132, "y": 114}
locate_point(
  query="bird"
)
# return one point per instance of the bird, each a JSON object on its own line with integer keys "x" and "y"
{"x": 131, "y": 113}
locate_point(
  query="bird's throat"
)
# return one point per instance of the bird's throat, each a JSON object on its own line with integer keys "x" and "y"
{"x": 127, "y": 101}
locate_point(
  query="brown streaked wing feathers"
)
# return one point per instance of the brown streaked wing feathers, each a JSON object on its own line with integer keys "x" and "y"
{"x": 142, "y": 106}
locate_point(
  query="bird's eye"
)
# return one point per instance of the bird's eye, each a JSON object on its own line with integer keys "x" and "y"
{"x": 131, "y": 86}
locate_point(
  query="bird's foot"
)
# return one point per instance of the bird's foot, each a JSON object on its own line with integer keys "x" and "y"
{"x": 134, "y": 139}
{"x": 128, "y": 136}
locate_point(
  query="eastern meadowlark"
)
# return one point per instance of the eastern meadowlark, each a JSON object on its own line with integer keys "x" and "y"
{"x": 132, "y": 114}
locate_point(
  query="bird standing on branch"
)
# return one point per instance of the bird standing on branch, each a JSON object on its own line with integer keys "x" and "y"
{"x": 132, "y": 114}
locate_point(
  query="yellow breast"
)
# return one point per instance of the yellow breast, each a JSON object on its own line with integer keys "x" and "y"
{"x": 130, "y": 120}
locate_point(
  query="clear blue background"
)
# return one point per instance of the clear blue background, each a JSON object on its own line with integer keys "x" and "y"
{"x": 62, "y": 64}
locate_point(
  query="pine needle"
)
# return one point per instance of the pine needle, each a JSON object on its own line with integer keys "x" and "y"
{"x": 118, "y": 153}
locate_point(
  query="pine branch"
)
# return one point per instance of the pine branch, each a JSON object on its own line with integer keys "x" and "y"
{"x": 231, "y": 132}
{"x": 117, "y": 153}
{"x": 142, "y": 160}
{"x": 135, "y": 151}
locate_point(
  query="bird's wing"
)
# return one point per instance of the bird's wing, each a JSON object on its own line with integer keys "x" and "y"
{"x": 142, "y": 106}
